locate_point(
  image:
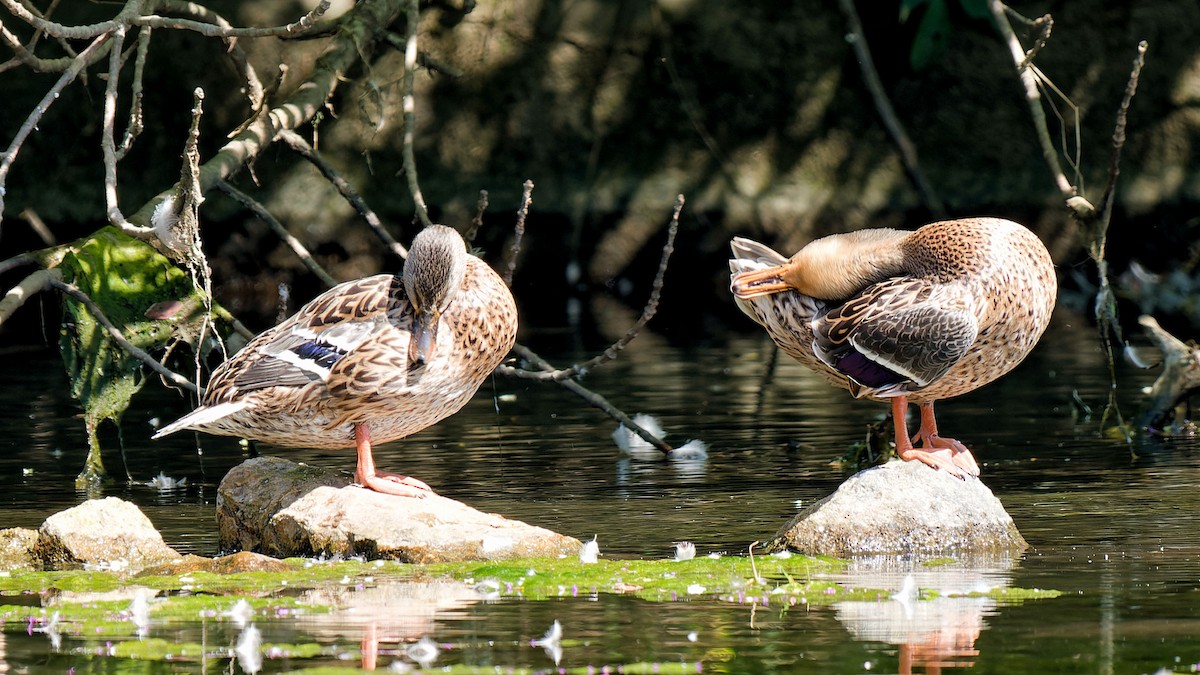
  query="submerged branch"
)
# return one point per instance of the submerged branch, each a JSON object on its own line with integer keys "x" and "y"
{"x": 1180, "y": 375}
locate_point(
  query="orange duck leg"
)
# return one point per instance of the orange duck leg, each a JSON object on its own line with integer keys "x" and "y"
{"x": 949, "y": 455}
{"x": 388, "y": 483}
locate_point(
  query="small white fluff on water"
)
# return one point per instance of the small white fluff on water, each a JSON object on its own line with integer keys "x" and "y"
{"x": 423, "y": 651}
{"x": 241, "y": 613}
{"x": 685, "y": 550}
{"x": 163, "y": 482}
{"x": 139, "y": 611}
{"x": 590, "y": 553}
{"x": 636, "y": 446}
{"x": 51, "y": 630}
{"x": 907, "y": 592}
{"x": 692, "y": 450}
{"x": 249, "y": 649}
{"x": 550, "y": 642}
{"x": 552, "y": 636}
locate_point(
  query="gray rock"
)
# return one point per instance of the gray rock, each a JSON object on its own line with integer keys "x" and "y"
{"x": 281, "y": 508}
{"x": 109, "y": 532}
{"x": 16, "y": 549}
{"x": 902, "y": 507}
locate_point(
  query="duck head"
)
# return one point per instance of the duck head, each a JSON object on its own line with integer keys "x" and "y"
{"x": 433, "y": 274}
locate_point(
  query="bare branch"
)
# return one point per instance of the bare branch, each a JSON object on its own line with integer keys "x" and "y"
{"x": 614, "y": 349}
{"x": 518, "y": 233}
{"x": 1046, "y": 23}
{"x": 908, "y": 151}
{"x": 137, "y": 352}
{"x": 254, "y": 87}
{"x": 16, "y": 261}
{"x": 277, "y": 227}
{"x": 131, "y": 9}
{"x": 28, "y": 287}
{"x": 296, "y": 142}
{"x": 213, "y": 30}
{"x": 78, "y": 64}
{"x": 410, "y": 112}
{"x": 1180, "y": 375}
{"x": 354, "y": 42}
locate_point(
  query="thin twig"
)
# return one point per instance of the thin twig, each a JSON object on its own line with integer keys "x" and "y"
{"x": 31, "y": 122}
{"x": 615, "y": 349}
{"x": 477, "y": 221}
{"x": 293, "y": 243}
{"x": 518, "y": 233}
{"x": 135, "y": 351}
{"x": 908, "y": 151}
{"x": 108, "y": 143}
{"x": 1118, "y": 139}
{"x": 297, "y": 143}
{"x": 1046, "y": 24}
{"x": 134, "y": 127}
{"x": 410, "y": 112}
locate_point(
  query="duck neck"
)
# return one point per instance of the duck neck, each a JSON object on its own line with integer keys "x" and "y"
{"x": 840, "y": 265}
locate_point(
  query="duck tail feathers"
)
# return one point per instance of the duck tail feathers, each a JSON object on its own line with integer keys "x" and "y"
{"x": 201, "y": 416}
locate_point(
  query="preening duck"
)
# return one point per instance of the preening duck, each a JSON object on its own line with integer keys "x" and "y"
{"x": 368, "y": 361}
{"x": 906, "y": 316}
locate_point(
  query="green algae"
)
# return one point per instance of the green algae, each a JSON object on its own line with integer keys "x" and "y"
{"x": 91, "y": 605}
{"x": 653, "y": 580}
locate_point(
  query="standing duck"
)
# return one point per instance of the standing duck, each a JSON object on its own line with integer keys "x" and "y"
{"x": 371, "y": 360}
{"x": 915, "y": 316}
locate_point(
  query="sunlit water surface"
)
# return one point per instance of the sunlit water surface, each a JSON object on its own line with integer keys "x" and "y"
{"x": 1112, "y": 527}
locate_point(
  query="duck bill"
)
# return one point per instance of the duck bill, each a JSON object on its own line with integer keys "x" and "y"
{"x": 753, "y": 284}
{"x": 424, "y": 336}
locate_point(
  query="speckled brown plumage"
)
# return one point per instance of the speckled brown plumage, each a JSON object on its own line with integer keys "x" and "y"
{"x": 347, "y": 365}
{"x": 904, "y": 316}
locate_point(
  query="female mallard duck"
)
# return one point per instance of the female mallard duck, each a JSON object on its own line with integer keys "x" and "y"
{"x": 371, "y": 360}
{"x": 909, "y": 316}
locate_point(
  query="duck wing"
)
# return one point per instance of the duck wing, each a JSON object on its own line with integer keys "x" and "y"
{"x": 343, "y": 325}
{"x": 897, "y": 336}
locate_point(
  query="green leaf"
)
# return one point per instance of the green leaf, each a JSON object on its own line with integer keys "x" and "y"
{"x": 932, "y": 33}
{"x": 124, "y": 277}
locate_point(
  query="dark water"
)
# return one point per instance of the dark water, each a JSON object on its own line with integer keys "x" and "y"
{"x": 1112, "y": 527}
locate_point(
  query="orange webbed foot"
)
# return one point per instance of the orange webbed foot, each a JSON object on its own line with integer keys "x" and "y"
{"x": 938, "y": 460}
{"x": 394, "y": 484}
